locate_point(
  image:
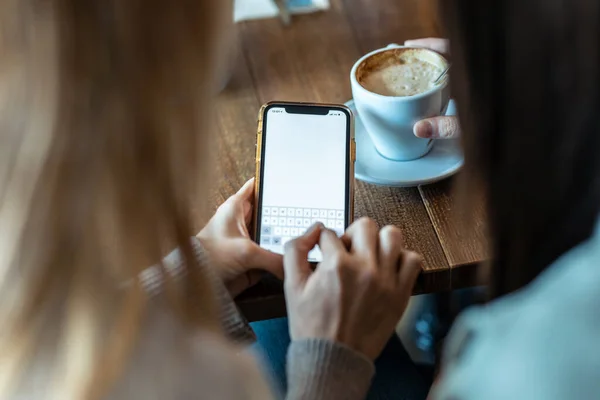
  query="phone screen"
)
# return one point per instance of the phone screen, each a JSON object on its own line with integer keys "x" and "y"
{"x": 305, "y": 173}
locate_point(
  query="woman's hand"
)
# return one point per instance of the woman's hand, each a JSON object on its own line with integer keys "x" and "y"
{"x": 236, "y": 258}
{"x": 436, "y": 44}
{"x": 358, "y": 293}
{"x": 437, "y": 127}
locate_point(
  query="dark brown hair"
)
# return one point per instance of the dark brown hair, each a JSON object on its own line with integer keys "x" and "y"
{"x": 526, "y": 77}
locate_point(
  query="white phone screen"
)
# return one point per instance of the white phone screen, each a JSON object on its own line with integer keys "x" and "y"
{"x": 304, "y": 175}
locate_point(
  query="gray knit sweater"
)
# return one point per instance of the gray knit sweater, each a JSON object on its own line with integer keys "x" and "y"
{"x": 316, "y": 368}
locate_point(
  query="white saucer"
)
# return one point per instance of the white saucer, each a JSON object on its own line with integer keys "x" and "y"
{"x": 444, "y": 160}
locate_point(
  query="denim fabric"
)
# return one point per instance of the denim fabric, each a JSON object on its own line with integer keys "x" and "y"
{"x": 397, "y": 377}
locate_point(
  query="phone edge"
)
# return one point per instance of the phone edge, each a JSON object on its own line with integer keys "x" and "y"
{"x": 258, "y": 159}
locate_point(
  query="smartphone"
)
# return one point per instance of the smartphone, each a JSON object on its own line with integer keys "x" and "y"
{"x": 305, "y": 156}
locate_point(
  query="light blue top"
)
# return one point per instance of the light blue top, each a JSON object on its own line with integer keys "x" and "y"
{"x": 542, "y": 342}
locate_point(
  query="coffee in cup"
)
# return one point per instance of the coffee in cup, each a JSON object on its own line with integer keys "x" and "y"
{"x": 393, "y": 88}
{"x": 399, "y": 72}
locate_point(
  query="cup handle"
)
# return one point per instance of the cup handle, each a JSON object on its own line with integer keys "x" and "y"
{"x": 392, "y": 46}
{"x": 446, "y": 102}
{"x": 450, "y": 110}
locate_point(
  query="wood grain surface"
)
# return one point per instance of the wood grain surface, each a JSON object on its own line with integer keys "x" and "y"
{"x": 462, "y": 240}
{"x": 310, "y": 60}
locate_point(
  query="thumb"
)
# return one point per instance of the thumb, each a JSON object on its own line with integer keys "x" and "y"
{"x": 437, "y": 128}
{"x": 265, "y": 260}
{"x": 247, "y": 191}
{"x": 295, "y": 259}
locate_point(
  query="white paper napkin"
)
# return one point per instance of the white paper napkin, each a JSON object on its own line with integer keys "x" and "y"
{"x": 255, "y": 9}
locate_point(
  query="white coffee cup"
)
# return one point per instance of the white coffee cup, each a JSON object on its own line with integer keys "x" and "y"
{"x": 389, "y": 120}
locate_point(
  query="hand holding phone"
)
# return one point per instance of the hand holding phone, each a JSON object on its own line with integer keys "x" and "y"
{"x": 236, "y": 259}
{"x": 305, "y": 172}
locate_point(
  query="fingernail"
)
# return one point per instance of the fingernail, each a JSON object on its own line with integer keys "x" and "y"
{"x": 314, "y": 227}
{"x": 423, "y": 129}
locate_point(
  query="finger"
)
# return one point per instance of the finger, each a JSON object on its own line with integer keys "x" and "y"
{"x": 330, "y": 244}
{"x": 364, "y": 238}
{"x": 243, "y": 197}
{"x": 437, "y": 128}
{"x": 243, "y": 282}
{"x": 265, "y": 260}
{"x": 247, "y": 207}
{"x": 346, "y": 241}
{"x": 246, "y": 196}
{"x": 253, "y": 277}
{"x": 246, "y": 192}
{"x": 295, "y": 259}
{"x": 409, "y": 270}
{"x": 390, "y": 248}
{"x": 436, "y": 44}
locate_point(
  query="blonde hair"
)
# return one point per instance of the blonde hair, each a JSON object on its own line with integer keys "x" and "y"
{"x": 104, "y": 144}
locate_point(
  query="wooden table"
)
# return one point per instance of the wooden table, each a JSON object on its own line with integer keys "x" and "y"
{"x": 310, "y": 60}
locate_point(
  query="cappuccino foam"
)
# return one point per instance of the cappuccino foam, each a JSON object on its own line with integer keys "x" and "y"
{"x": 400, "y": 72}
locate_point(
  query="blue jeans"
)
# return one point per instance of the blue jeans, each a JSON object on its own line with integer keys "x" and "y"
{"x": 396, "y": 377}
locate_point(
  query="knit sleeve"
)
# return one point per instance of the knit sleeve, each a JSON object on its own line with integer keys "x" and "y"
{"x": 321, "y": 369}
{"x": 234, "y": 324}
